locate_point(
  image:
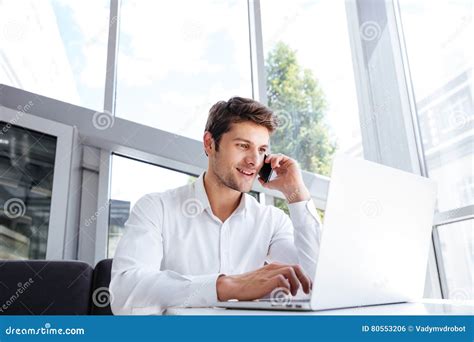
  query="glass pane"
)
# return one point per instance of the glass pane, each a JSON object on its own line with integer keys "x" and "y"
{"x": 55, "y": 48}
{"x": 310, "y": 81}
{"x": 457, "y": 254}
{"x": 177, "y": 58}
{"x": 127, "y": 190}
{"x": 26, "y": 182}
{"x": 440, "y": 57}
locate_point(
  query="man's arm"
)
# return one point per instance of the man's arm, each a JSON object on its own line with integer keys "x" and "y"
{"x": 138, "y": 286}
{"x": 298, "y": 240}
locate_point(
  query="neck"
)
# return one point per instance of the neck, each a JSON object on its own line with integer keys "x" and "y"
{"x": 223, "y": 200}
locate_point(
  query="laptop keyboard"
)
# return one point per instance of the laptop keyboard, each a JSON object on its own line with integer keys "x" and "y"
{"x": 283, "y": 302}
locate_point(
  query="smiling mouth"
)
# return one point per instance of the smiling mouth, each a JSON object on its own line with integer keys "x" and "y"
{"x": 246, "y": 172}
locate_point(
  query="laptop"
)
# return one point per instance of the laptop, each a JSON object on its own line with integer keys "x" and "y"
{"x": 375, "y": 241}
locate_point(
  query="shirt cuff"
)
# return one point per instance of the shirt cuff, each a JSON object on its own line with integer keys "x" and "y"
{"x": 203, "y": 290}
{"x": 301, "y": 212}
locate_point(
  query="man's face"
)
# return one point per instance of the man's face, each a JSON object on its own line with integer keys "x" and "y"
{"x": 240, "y": 156}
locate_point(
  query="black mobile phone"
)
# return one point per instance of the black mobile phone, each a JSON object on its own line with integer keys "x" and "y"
{"x": 266, "y": 171}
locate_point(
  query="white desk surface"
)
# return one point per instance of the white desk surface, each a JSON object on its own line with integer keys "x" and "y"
{"x": 424, "y": 307}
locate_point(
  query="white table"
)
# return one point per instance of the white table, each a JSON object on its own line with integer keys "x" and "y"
{"x": 424, "y": 307}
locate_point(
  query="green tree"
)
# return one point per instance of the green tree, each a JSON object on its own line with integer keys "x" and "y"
{"x": 297, "y": 99}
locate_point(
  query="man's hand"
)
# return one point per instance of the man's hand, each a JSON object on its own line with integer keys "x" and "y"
{"x": 289, "y": 180}
{"x": 256, "y": 284}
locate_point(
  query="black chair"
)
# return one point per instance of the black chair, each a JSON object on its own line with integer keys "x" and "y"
{"x": 41, "y": 287}
{"x": 100, "y": 298}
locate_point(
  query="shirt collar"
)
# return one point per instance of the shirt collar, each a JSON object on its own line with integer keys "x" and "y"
{"x": 201, "y": 195}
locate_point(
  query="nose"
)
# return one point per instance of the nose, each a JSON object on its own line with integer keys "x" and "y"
{"x": 253, "y": 157}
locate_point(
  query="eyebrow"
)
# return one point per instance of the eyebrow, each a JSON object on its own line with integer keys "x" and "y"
{"x": 248, "y": 141}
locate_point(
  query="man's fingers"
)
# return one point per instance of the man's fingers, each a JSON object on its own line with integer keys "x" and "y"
{"x": 303, "y": 278}
{"x": 275, "y": 159}
{"x": 279, "y": 281}
{"x": 289, "y": 273}
{"x": 295, "y": 274}
{"x": 275, "y": 282}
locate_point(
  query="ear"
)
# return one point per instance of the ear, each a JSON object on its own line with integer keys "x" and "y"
{"x": 208, "y": 143}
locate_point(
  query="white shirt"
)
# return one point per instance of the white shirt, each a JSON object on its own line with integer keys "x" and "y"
{"x": 174, "y": 247}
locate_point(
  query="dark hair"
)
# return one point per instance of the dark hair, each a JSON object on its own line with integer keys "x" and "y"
{"x": 238, "y": 109}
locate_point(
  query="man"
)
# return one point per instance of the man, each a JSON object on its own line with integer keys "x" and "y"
{"x": 211, "y": 241}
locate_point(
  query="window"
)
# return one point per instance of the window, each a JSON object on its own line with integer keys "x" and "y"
{"x": 55, "y": 48}
{"x": 176, "y": 59}
{"x": 440, "y": 61}
{"x": 440, "y": 58}
{"x": 310, "y": 81}
{"x": 457, "y": 255}
{"x": 26, "y": 182}
{"x": 131, "y": 180}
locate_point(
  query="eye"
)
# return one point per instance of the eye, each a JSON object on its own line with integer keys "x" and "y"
{"x": 242, "y": 145}
{"x": 263, "y": 150}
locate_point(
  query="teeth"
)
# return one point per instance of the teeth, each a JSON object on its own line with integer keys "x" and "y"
{"x": 245, "y": 172}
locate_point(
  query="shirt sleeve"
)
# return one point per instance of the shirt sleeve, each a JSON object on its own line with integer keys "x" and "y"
{"x": 297, "y": 241}
{"x": 138, "y": 286}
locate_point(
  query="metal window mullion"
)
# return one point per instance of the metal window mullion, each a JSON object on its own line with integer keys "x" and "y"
{"x": 257, "y": 59}
{"x": 370, "y": 142}
{"x": 410, "y": 92}
{"x": 112, "y": 52}
{"x": 103, "y": 206}
{"x": 103, "y": 191}
{"x": 454, "y": 215}
{"x": 441, "y": 272}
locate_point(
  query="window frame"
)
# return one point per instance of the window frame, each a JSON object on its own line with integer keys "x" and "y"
{"x": 61, "y": 239}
